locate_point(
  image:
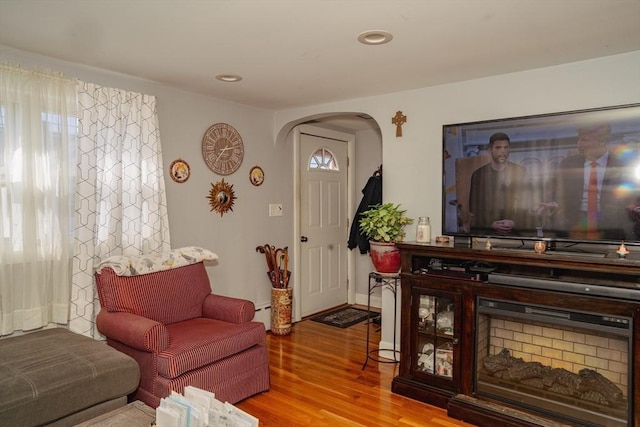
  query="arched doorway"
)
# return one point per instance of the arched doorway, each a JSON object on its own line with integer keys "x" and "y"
{"x": 365, "y": 157}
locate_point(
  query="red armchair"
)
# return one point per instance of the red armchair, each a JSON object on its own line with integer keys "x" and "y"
{"x": 181, "y": 334}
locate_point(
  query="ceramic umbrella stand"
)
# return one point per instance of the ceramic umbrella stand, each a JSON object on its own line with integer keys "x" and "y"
{"x": 281, "y": 302}
{"x": 281, "y": 293}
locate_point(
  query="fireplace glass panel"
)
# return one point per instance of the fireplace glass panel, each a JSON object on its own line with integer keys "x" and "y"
{"x": 564, "y": 363}
{"x": 436, "y": 325}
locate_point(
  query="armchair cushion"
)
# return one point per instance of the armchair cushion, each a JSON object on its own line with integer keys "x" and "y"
{"x": 168, "y": 296}
{"x": 199, "y": 342}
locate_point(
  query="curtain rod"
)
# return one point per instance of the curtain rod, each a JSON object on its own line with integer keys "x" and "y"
{"x": 39, "y": 72}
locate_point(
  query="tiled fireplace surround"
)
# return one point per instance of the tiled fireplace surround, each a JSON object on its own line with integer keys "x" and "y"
{"x": 556, "y": 346}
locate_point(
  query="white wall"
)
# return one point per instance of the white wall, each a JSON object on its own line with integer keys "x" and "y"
{"x": 412, "y": 163}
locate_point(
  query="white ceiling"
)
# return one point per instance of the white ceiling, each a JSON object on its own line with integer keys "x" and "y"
{"x": 294, "y": 53}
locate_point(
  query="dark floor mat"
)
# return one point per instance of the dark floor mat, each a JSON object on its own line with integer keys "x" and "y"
{"x": 344, "y": 317}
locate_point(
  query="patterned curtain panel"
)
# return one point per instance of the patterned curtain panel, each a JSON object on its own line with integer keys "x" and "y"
{"x": 121, "y": 206}
{"x": 38, "y": 121}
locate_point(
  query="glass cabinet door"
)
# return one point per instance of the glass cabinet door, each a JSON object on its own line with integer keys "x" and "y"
{"x": 435, "y": 316}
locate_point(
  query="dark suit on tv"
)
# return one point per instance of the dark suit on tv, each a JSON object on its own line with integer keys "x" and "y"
{"x": 496, "y": 195}
{"x": 614, "y": 222}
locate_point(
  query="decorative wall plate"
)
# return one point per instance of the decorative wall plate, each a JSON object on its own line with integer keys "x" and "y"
{"x": 179, "y": 171}
{"x": 256, "y": 176}
{"x": 222, "y": 149}
{"x": 221, "y": 197}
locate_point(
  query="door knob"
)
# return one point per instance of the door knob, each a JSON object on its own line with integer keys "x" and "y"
{"x": 304, "y": 239}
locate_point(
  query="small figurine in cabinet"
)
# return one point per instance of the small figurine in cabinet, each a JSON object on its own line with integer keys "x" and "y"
{"x": 444, "y": 321}
{"x": 444, "y": 360}
{"x": 425, "y": 359}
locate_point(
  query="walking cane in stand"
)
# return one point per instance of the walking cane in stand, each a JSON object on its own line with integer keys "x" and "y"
{"x": 283, "y": 264}
{"x": 277, "y": 263}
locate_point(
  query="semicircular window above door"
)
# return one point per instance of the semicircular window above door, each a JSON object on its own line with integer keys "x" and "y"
{"x": 323, "y": 159}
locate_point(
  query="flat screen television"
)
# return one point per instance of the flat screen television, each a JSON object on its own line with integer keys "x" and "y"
{"x": 531, "y": 178}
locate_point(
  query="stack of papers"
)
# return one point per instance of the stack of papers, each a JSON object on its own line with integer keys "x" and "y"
{"x": 200, "y": 408}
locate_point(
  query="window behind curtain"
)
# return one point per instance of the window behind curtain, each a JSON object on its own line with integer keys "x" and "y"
{"x": 38, "y": 125}
{"x": 11, "y": 173}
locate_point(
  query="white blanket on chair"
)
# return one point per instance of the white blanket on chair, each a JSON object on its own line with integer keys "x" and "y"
{"x": 135, "y": 265}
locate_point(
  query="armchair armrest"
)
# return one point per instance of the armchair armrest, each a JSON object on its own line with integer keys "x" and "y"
{"x": 229, "y": 309}
{"x": 133, "y": 330}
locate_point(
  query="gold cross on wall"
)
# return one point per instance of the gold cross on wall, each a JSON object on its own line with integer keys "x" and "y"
{"x": 399, "y": 119}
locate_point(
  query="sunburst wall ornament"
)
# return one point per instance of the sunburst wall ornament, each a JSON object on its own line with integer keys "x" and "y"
{"x": 221, "y": 197}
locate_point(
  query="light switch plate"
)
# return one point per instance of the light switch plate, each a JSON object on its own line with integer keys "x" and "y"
{"x": 275, "y": 209}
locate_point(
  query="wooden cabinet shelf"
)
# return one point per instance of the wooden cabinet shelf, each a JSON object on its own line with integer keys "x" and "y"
{"x": 441, "y": 322}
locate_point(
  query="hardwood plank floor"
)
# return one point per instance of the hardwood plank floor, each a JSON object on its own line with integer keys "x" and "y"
{"x": 316, "y": 380}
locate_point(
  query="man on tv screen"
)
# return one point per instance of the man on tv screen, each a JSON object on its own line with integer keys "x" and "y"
{"x": 594, "y": 190}
{"x": 496, "y": 192}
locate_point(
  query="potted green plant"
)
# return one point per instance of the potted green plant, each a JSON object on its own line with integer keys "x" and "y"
{"x": 384, "y": 226}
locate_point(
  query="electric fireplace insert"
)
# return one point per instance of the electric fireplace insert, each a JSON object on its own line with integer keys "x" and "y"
{"x": 562, "y": 362}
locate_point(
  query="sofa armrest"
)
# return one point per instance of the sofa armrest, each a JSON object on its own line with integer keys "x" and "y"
{"x": 229, "y": 309}
{"x": 133, "y": 330}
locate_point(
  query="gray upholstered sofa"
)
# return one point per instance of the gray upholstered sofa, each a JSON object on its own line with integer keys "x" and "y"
{"x": 57, "y": 377}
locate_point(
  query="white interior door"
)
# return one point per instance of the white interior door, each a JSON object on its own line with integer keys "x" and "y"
{"x": 323, "y": 223}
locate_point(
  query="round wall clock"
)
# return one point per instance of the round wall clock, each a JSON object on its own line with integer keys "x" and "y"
{"x": 222, "y": 149}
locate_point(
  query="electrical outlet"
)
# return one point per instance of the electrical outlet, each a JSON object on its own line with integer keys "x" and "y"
{"x": 275, "y": 209}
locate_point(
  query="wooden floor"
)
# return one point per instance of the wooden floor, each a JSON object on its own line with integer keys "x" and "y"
{"x": 316, "y": 380}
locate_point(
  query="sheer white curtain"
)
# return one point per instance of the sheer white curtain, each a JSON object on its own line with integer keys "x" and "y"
{"x": 37, "y": 159}
{"x": 121, "y": 204}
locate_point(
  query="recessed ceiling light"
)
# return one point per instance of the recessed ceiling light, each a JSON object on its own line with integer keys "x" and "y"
{"x": 229, "y": 78}
{"x": 375, "y": 37}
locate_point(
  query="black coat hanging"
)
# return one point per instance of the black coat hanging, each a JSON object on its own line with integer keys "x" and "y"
{"x": 372, "y": 196}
